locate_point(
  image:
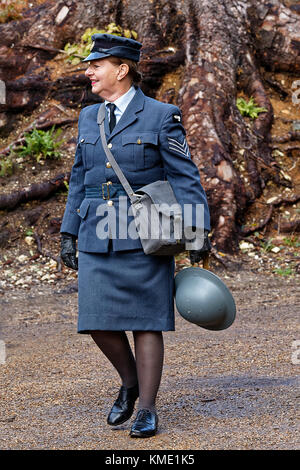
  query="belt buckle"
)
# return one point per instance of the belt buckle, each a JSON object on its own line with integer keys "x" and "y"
{"x": 106, "y": 196}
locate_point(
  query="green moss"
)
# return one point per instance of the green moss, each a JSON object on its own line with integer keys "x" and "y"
{"x": 6, "y": 166}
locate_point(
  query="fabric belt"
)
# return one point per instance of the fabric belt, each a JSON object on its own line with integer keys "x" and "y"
{"x": 106, "y": 190}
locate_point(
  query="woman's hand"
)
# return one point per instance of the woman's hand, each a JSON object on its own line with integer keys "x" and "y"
{"x": 197, "y": 255}
{"x": 68, "y": 250}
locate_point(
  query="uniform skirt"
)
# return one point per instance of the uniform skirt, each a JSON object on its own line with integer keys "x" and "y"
{"x": 125, "y": 290}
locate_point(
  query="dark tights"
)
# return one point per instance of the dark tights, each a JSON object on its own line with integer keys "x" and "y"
{"x": 145, "y": 368}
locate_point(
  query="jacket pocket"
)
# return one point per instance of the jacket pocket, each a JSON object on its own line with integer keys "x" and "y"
{"x": 88, "y": 145}
{"x": 142, "y": 147}
{"x": 83, "y": 209}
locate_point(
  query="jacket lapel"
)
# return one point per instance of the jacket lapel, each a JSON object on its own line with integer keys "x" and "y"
{"x": 136, "y": 105}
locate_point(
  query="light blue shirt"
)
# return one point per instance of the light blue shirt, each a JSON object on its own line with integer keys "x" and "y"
{"x": 122, "y": 103}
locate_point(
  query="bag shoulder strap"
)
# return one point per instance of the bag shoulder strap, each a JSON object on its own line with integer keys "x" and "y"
{"x": 123, "y": 180}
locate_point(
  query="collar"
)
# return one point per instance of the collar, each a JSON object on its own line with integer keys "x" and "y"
{"x": 124, "y": 100}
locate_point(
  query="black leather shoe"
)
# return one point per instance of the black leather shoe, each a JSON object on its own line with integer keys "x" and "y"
{"x": 124, "y": 405}
{"x": 145, "y": 424}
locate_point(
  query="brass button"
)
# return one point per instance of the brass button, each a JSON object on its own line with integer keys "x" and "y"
{"x": 139, "y": 141}
{"x": 109, "y": 145}
{"x": 82, "y": 140}
{"x": 110, "y": 203}
{"x": 108, "y": 165}
{"x": 78, "y": 210}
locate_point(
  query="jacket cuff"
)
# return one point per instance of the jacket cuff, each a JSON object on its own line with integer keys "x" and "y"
{"x": 71, "y": 221}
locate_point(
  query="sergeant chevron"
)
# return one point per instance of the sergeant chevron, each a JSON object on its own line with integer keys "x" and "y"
{"x": 176, "y": 146}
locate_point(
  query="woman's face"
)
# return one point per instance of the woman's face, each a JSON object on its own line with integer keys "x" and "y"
{"x": 103, "y": 75}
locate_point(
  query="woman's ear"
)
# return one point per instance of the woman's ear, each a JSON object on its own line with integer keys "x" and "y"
{"x": 123, "y": 71}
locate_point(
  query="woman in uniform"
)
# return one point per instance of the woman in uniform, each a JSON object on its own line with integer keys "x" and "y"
{"x": 119, "y": 287}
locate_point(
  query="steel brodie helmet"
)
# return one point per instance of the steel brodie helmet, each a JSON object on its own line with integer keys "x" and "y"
{"x": 202, "y": 298}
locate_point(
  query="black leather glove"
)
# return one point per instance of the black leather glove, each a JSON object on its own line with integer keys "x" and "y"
{"x": 197, "y": 255}
{"x": 68, "y": 250}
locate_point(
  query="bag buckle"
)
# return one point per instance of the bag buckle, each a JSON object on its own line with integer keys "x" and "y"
{"x": 105, "y": 190}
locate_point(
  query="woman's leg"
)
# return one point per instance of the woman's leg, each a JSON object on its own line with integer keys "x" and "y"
{"x": 149, "y": 354}
{"x": 115, "y": 346}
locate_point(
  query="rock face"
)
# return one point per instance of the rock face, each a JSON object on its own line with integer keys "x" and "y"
{"x": 200, "y": 55}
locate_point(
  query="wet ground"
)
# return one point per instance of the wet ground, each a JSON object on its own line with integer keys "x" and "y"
{"x": 232, "y": 389}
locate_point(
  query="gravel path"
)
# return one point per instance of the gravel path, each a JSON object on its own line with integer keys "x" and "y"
{"x": 234, "y": 389}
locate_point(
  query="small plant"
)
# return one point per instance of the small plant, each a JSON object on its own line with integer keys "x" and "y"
{"x": 66, "y": 185}
{"x": 77, "y": 52}
{"x": 11, "y": 11}
{"x": 249, "y": 108}
{"x": 7, "y": 166}
{"x": 41, "y": 144}
{"x": 267, "y": 245}
{"x": 292, "y": 241}
{"x": 283, "y": 272}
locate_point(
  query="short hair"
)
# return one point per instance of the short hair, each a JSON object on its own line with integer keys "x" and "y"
{"x": 133, "y": 72}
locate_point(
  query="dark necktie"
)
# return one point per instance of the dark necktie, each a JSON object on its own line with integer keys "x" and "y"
{"x": 112, "y": 117}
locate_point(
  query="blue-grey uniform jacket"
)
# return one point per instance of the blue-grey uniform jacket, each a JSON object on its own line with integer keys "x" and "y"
{"x": 149, "y": 144}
